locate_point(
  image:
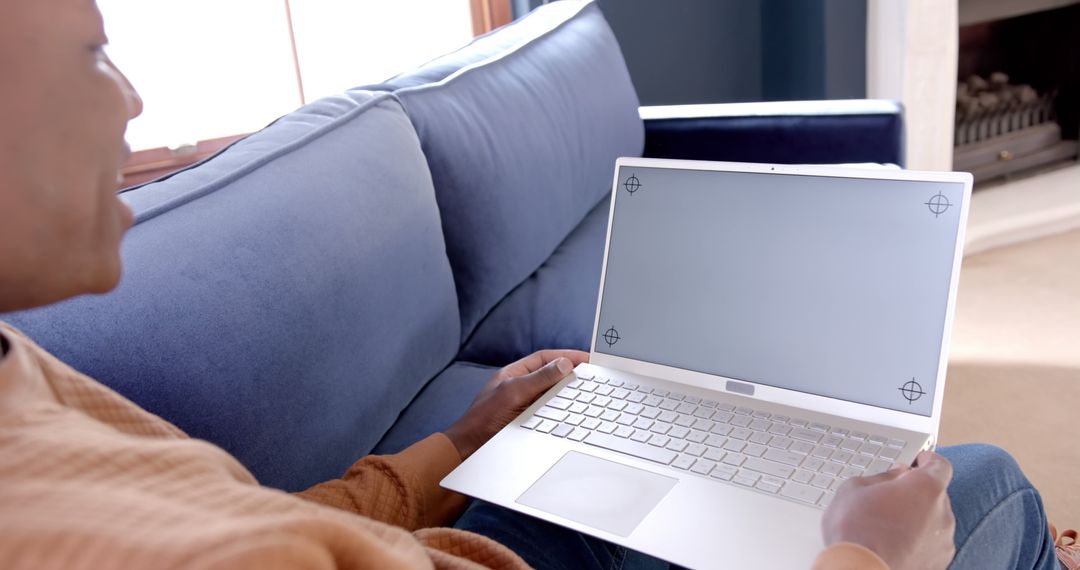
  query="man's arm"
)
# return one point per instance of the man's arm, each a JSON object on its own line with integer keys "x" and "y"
{"x": 403, "y": 489}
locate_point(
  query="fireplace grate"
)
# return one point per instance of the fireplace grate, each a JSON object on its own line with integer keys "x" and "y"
{"x": 1008, "y": 118}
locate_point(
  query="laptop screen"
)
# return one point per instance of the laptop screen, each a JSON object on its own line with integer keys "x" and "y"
{"x": 825, "y": 285}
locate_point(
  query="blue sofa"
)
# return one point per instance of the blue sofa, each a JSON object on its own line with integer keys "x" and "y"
{"x": 343, "y": 281}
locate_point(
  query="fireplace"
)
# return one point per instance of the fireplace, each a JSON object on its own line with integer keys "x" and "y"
{"x": 1018, "y": 94}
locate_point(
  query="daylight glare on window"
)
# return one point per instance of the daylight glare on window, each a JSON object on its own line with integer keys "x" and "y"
{"x": 214, "y": 68}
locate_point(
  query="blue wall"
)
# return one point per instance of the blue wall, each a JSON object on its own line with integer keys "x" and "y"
{"x": 715, "y": 51}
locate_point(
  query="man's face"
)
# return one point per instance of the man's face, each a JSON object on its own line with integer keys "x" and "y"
{"x": 63, "y": 112}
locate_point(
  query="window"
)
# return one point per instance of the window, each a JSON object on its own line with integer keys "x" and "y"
{"x": 211, "y": 70}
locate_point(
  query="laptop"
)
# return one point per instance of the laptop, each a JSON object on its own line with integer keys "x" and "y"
{"x": 762, "y": 334}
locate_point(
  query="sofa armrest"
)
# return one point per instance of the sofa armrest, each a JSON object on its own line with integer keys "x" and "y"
{"x": 786, "y": 132}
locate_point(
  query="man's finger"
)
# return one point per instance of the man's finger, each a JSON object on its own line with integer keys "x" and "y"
{"x": 936, "y": 466}
{"x": 537, "y": 382}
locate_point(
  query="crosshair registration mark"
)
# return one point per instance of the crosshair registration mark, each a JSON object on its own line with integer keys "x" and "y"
{"x": 611, "y": 336}
{"x": 911, "y": 391}
{"x": 632, "y": 184}
{"x": 938, "y": 204}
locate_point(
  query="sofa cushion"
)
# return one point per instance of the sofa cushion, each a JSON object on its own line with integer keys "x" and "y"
{"x": 285, "y": 300}
{"x": 440, "y": 404}
{"x": 522, "y": 144}
{"x": 554, "y": 308}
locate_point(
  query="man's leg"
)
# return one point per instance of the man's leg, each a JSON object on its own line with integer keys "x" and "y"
{"x": 1000, "y": 522}
{"x": 550, "y": 547}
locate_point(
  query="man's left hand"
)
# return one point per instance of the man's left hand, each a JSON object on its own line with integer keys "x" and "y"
{"x": 512, "y": 389}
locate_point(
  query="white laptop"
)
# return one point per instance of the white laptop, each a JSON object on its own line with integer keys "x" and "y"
{"x": 763, "y": 332}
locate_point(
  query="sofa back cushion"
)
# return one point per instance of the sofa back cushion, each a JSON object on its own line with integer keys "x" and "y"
{"x": 284, "y": 300}
{"x": 521, "y": 142}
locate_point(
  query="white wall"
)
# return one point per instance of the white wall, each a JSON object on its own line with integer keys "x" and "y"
{"x": 911, "y": 57}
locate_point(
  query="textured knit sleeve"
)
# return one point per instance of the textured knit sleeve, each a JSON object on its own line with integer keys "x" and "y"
{"x": 401, "y": 489}
{"x": 847, "y": 556}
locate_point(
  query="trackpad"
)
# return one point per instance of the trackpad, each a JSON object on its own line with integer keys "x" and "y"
{"x": 598, "y": 493}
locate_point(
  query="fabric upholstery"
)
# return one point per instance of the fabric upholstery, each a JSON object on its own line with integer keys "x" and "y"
{"x": 521, "y": 146}
{"x": 437, "y": 406}
{"x": 262, "y": 303}
{"x": 554, "y": 308}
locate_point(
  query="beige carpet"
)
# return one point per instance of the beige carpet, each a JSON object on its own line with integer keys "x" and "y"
{"x": 1014, "y": 374}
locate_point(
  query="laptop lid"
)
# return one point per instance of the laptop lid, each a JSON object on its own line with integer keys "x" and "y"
{"x": 826, "y": 288}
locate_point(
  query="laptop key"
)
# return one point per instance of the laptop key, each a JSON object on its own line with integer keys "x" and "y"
{"x": 780, "y": 442}
{"x": 606, "y": 427}
{"x": 754, "y": 449}
{"x": 575, "y": 419}
{"x": 631, "y": 448}
{"x": 553, "y": 415}
{"x": 591, "y": 423}
{"x": 546, "y": 426}
{"x": 578, "y": 434}
{"x": 661, "y": 428}
{"x": 676, "y": 445}
{"x": 805, "y": 435}
{"x": 861, "y": 461}
{"x": 801, "y": 493}
{"x": 684, "y": 462}
{"x": 703, "y": 466}
{"x": 695, "y": 449}
{"x": 679, "y": 432}
{"x": 641, "y": 436}
{"x": 821, "y": 481}
{"x": 784, "y": 457}
{"x": 569, "y": 393}
{"x": 623, "y": 431}
{"x": 889, "y": 453}
{"x": 650, "y": 412}
{"x": 531, "y": 422}
{"x": 735, "y": 459}
{"x": 714, "y": 454}
{"x": 659, "y": 440}
{"x": 562, "y": 430}
{"x": 721, "y": 429}
{"x": 768, "y": 468}
{"x": 801, "y": 447}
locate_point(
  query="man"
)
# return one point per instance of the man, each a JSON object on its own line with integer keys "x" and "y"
{"x": 87, "y": 479}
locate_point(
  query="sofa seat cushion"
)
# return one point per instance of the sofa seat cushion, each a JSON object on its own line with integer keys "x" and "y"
{"x": 284, "y": 300}
{"x": 554, "y": 308}
{"x": 438, "y": 405}
{"x": 522, "y": 144}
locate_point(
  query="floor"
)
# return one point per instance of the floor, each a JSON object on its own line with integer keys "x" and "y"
{"x": 1014, "y": 373}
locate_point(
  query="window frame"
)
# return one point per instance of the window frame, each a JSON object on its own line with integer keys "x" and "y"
{"x": 149, "y": 164}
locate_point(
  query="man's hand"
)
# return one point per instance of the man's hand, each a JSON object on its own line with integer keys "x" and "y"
{"x": 903, "y": 515}
{"x": 508, "y": 393}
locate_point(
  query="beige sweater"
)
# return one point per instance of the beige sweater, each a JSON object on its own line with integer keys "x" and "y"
{"x": 90, "y": 480}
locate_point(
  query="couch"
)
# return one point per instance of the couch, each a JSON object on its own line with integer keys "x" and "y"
{"x": 343, "y": 281}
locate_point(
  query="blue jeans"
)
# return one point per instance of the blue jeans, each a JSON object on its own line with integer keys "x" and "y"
{"x": 1000, "y": 523}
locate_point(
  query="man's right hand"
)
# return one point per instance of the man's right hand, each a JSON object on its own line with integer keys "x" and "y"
{"x": 903, "y": 515}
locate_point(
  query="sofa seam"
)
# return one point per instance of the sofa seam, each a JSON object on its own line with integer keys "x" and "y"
{"x": 262, "y": 160}
{"x": 465, "y": 70}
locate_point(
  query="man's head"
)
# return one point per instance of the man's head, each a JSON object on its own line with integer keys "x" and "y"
{"x": 63, "y": 112}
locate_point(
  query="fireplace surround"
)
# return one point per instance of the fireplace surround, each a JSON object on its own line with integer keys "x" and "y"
{"x": 1018, "y": 94}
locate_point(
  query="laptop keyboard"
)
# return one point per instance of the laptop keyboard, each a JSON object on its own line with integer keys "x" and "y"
{"x": 776, "y": 455}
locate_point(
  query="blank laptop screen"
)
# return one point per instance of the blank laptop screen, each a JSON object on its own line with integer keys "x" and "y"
{"x": 831, "y": 286}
